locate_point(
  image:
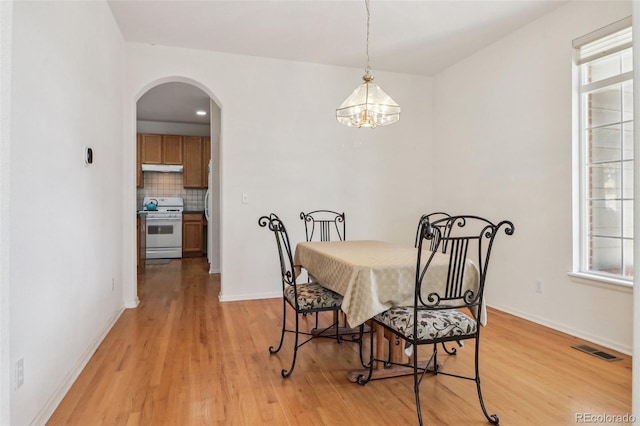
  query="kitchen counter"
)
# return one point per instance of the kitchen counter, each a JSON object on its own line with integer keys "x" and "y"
{"x": 193, "y": 212}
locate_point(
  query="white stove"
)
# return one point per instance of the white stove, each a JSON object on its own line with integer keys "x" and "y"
{"x": 165, "y": 206}
{"x": 164, "y": 227}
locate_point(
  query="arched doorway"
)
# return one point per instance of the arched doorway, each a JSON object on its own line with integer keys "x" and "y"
{"x": 170, "y": 107}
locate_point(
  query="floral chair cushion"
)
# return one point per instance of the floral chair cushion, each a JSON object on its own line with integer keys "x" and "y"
{"x": 313, "y": 296}
{"x": 432, "y": 324}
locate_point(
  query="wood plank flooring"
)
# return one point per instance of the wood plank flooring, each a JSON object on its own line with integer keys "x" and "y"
{"x": 184, "y": 358}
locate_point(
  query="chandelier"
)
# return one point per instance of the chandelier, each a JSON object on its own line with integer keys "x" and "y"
{"x": 368, "y": 105}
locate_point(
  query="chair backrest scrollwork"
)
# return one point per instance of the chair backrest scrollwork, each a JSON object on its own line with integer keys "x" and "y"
{"x": 465, "y": 242}
{"x": 323, "y": 224}
{"x": 287, "y": 268}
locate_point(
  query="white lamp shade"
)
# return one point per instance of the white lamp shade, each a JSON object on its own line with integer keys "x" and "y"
{"x": 368, "y": 106}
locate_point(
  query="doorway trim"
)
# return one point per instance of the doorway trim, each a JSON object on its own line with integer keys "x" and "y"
{"x": 129, "y": 273}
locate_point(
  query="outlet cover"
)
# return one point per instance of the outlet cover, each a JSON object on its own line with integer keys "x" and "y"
{"x": 19, "y": 373}
{"x": 539, "y": 286}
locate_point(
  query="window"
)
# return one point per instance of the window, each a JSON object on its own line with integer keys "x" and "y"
{"x": 605, "y": 206}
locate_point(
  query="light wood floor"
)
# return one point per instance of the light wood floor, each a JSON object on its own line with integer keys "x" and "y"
{"x": 183, "y": 358}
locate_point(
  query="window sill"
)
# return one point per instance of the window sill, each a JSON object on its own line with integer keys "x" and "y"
{"x": 601, "y": 281}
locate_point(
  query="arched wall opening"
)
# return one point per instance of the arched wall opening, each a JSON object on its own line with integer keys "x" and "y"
{"x": 130, "y": 292}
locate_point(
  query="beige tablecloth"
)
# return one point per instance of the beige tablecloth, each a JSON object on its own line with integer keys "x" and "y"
{"x": 373, "y": 276}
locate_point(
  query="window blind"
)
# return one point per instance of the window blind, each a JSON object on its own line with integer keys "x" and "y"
{"x": 604, "y": 41}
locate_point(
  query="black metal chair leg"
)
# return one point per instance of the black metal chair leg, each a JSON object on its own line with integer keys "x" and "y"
{"x": 361, "y": 379}
{"x": 287, "y": 373}
{"x": 416, "y": 384}
{"x": 336, "y": 320}
{"x": 338, "y": 337}
{"x": 360, "y": 340}
{"x": 434, "y": 356}
{"x": 284, "y": 325}
{"x": 492, "y": 418}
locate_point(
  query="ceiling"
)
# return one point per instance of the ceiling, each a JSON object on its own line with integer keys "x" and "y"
{"x": 174, "y": 102}
{"x": 414, "y": 37}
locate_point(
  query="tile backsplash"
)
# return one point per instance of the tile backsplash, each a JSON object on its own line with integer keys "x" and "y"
{"x": 157, "y": 184}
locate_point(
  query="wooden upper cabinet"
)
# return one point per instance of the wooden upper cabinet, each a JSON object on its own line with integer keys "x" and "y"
{"x": 171, "y": 149}
{"x": 192, "y": 157}
{"x": 193, "y": 152}
{"x": 151, "y": 150}
{"x": 161, "y": 149}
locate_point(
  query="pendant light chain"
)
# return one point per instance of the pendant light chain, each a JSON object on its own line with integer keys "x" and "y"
{"x": 368, "y": 68}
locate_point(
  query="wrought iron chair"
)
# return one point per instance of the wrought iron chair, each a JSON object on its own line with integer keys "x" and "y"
{"x": 458, "y": 241}
{"x": 323, "y": 224}
{"x": 303, "y": 298}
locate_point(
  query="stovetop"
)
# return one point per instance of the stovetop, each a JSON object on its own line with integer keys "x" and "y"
{"x": 163, "y": 204}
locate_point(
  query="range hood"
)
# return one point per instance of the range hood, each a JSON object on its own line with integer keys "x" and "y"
{"x": 166, "y": 168}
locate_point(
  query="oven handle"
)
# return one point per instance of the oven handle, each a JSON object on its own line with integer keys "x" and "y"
{"x": 175, "y": 219}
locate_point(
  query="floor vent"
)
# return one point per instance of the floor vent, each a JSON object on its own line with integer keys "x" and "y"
{"x": 596, "y": 352}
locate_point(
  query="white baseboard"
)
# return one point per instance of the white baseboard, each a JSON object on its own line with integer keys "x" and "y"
{"x": 50, "y": 407}
{"x": 238, "y": 297}
{"x": 599, "y": 340}
{"x": 132, "y": 305}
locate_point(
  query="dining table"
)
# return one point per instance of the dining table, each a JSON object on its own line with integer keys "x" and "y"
{"x": 374, "y": 276}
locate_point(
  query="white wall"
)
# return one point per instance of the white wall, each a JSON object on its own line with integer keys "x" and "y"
{"x": 168, "y": 128}
{"x": 213, "y": 228}
{"x": 65, "y": 244}
{"x": 6, "y": 28}
{"x": 504, "y": 135}
{"x": 281, "y": 145}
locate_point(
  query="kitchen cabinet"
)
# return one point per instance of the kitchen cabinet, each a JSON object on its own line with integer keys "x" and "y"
{"x": 171, "y": 149}
{"x": 160, "y": 149}
{"x": 151, "y": 149}
{"x": 195, "y": 169}
{"x": 141, "y": 228}
{"x": 193, "y": 152}
{"x": 192, "y": 234}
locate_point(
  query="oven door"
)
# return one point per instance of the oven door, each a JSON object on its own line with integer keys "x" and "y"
{"x": 164, "y": 238}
